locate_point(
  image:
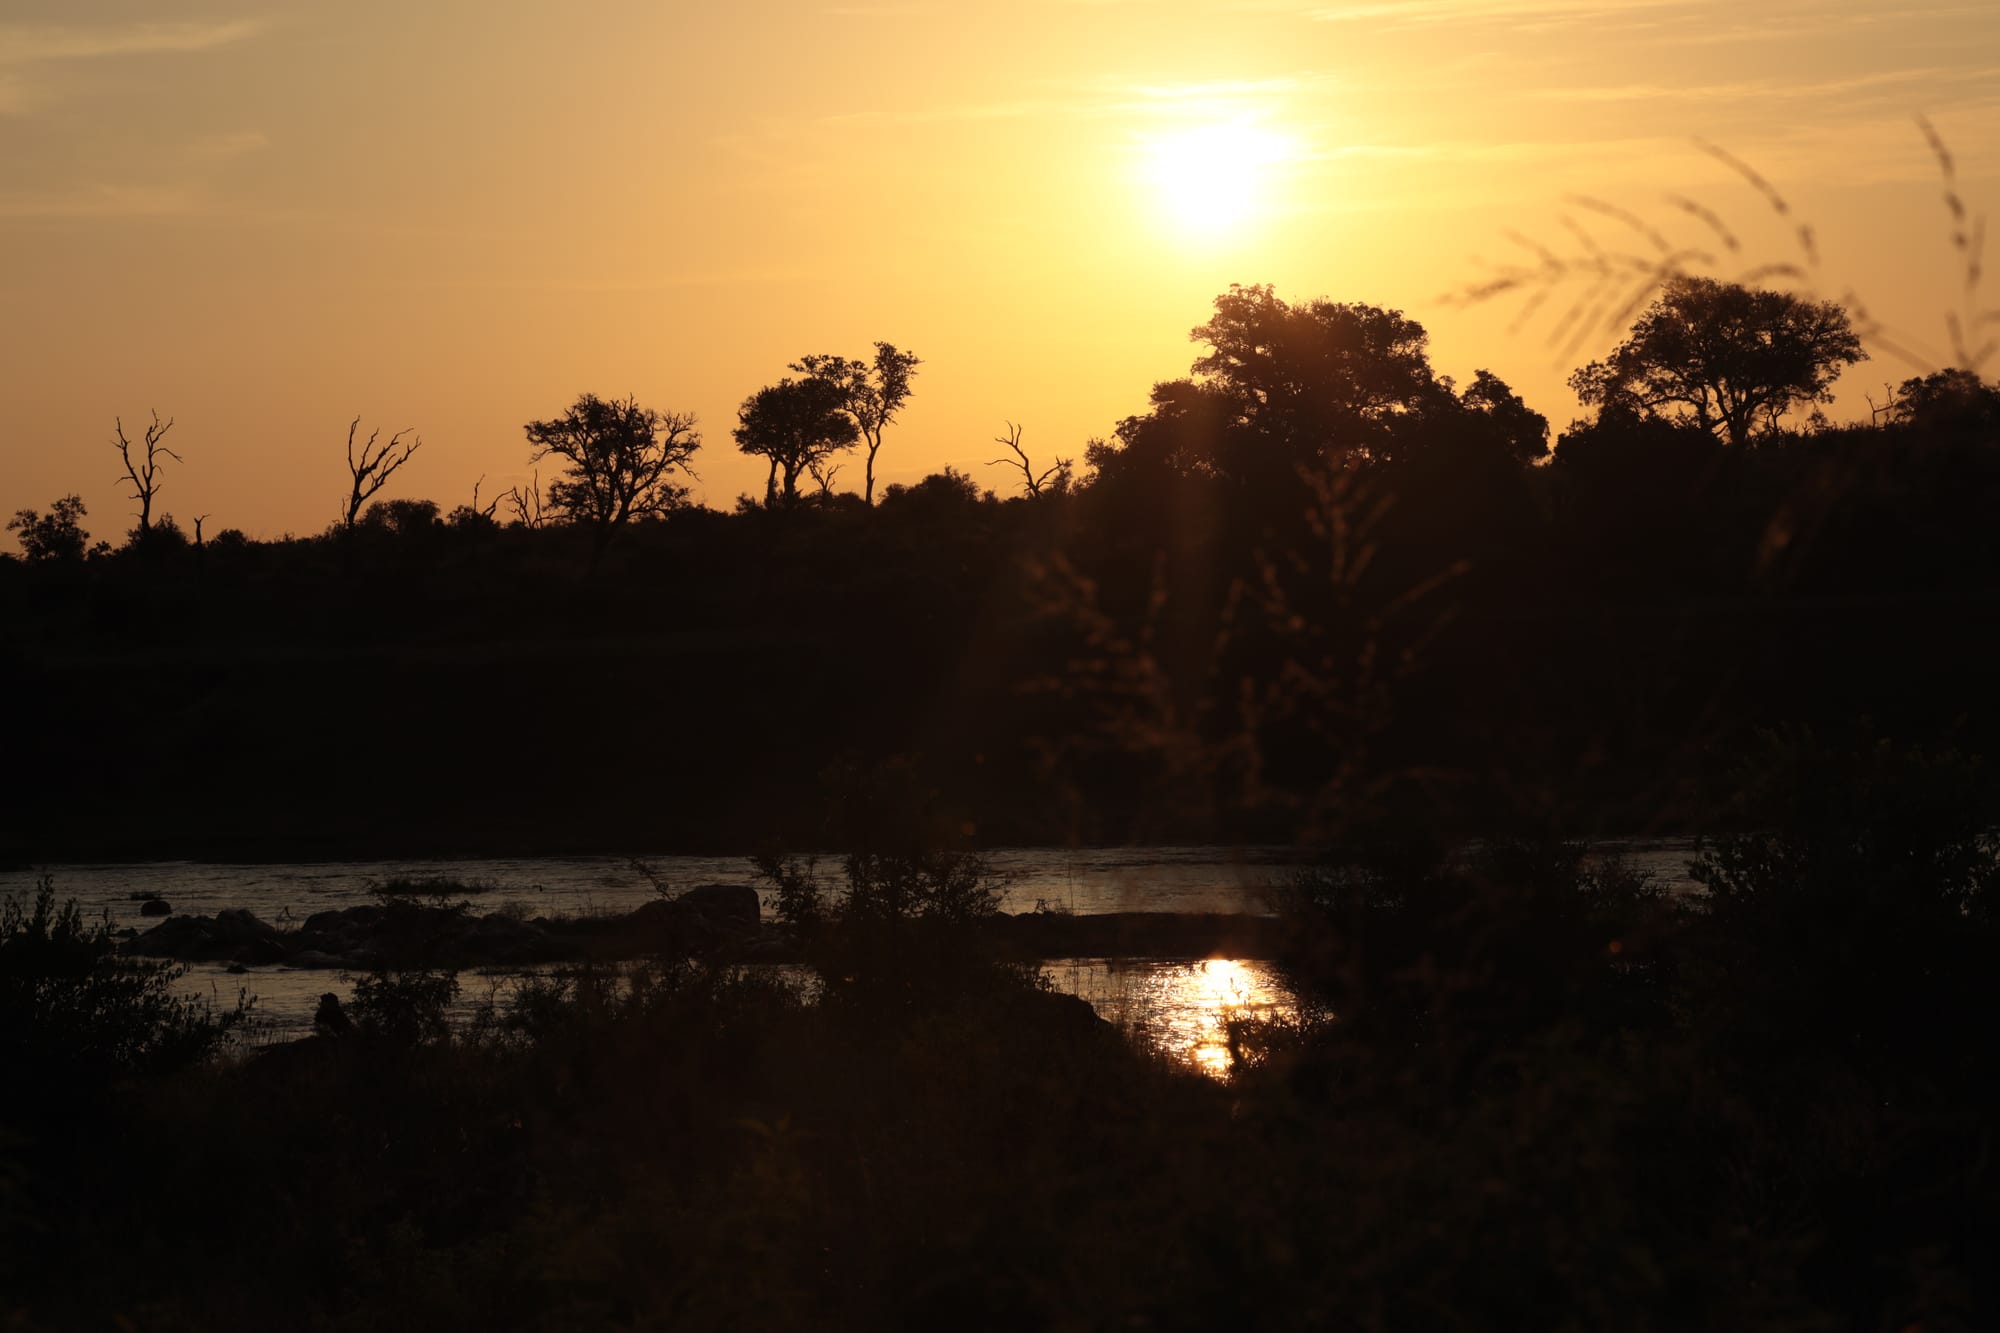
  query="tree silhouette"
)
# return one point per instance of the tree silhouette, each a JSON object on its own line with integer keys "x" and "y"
{"x": 1727, "y": 358}
{"x": 530, "y": 508}
{"x": 1319, "y": 383}
{"x": 619, "y": 462}
{"x": 873, "y": 394}
{"x": 1054, "y": 479}
{"x": 370, "y": 470}
{"x": 796, "y": 425}
{"x": 143, "y": 474}
{"x": 402, "y": 517}
{"x": 1321, "y": 376}
{"x": 1520, "y": 430}
{"x": 1949, "y": 400}
{"x": 56, "y": 535}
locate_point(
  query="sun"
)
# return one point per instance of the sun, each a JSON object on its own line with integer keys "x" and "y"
{"x": 1213, "y": 179}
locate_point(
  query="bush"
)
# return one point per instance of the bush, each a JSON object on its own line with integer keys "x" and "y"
{"x": 71, "y": 1006}
{"x": 404, "y": 1008}
{"x": 903, "y": 933}
{"x": 1469, "y": 956}
{"x": 1856, "y": 909}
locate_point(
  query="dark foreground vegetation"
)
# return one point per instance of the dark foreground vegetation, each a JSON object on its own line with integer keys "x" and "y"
{"x": 1521, "y": 1090}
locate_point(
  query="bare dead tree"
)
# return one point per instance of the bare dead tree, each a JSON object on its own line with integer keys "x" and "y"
{"x": 199, "y": 520}
{"x": 526, "y": 502}
{"x": 143, "y": 474}
{"x": 824, "y": 472}
{"x": 487, "y": 510}
{"x": 1054, "y": 479}
{"x": 376, "y": 463}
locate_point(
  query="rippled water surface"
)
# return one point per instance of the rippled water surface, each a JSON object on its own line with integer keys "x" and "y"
{"x": 1180, "y": 1006}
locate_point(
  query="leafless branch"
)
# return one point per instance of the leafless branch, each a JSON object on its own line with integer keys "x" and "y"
{"x": 824, "y": 471}
{"x": 377, "y": 462}
{"x": 1033, "y": 482}
{"x": 143, "y": 473}
{"x": 526, "y": 502}
{"x": 490, "y": 507}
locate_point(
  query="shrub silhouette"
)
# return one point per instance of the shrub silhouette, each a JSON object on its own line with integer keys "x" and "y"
{"x": 404, "y": 1009}
{"x": 72, "y": 1009}
{"x": 902, "y": 929}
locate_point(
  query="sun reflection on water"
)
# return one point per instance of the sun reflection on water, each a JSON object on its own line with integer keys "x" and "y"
{"x": 1182, "y": 1009}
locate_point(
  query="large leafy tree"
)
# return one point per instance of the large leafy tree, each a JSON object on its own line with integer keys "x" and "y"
{"x": 56, "y": 535}
{"x": 620, "y": 461}
{"x": 1320, "y": 382}
{"x": 797, "y": 425}
{"x": 1948, "y": 400}
{"x": 1730, "y": 359}
{"x": 872, "y": 393}
{"x": 1321, "y": 374}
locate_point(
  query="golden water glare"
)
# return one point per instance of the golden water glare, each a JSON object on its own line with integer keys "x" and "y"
{"x": 1182, "y": 1009}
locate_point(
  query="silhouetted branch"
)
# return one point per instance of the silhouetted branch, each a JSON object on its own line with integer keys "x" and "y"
{"x": 824, "y": 472}
{"x": 1033, "y": 482}
{"x": 487, "y": 510}
{"x": 525, "y": 501}
{"x": 143, "y": 474}
{"x": 375, "y": 465}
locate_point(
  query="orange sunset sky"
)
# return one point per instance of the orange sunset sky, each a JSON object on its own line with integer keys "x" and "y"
{"x": 456, "y": 216}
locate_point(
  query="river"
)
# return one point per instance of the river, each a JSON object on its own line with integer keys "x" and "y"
{"x": 1180, "y": 1006}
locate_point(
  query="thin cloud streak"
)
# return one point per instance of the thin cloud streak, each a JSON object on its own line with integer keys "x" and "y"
{"x": 1773, "y": 89}
{"x": 1536, "y": 12}
{"x": 37, "y": 43}
{"x": 103, "y": 202}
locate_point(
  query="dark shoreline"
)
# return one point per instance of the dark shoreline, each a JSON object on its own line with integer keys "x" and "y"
{"x": 410, "y": 936}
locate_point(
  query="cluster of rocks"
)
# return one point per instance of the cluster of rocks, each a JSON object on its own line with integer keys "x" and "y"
{"x": 710, "y": 921}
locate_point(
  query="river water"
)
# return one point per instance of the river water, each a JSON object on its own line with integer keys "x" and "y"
{"x": 1178, "y": 1005}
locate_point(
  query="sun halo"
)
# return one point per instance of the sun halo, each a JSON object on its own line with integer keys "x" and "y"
{"x": 1210, "y": 180}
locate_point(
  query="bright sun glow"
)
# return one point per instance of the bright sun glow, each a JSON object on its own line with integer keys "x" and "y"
{"x": 1215, "y": 178}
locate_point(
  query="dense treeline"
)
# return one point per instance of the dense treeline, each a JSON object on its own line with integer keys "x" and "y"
{"x": 1314, "y": 579}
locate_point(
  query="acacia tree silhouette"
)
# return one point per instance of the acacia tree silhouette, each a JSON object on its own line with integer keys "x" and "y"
{"x": 797, "y": 425}
{"x": 619, "y": 463}
{"x": 1724, "y": 357}
{"x": 872, "y": 394}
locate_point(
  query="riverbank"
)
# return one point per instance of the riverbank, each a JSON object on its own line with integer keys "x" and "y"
{"x": 714, "y": 923}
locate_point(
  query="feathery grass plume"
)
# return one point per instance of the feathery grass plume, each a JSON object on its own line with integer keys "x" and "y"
{"x": 1610, "y": 284}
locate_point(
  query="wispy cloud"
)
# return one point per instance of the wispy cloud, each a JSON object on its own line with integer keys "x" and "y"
{"x": 103, "y": 201}
{"x": 220, "y": 147}
{"x": 1536, "y": 12}
{"x": 1010, "y": 110}
{"x": 1772, "y": 88}
{"x": 1686, "y": 21}
{"x": 1101, "y": 100}
{"x": 36, "y": 43}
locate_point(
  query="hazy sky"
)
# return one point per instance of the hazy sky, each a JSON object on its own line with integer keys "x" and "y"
{"x": 456, "y": 216}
